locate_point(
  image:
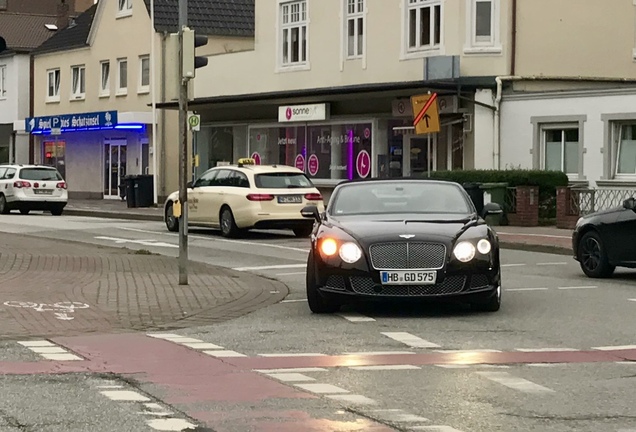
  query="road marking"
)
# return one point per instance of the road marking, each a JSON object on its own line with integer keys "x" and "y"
{"x": 513, "y": 265}
{"x": 363, "y": 353}
{"x": 202, "y": 345}
{"x": 48, "y": 350}
{"x": 468, "y": 351}
{"x": 36, "y": 343}
{"x": 164, "y": 335}
{"x": 293, "y": 355}
{"x": 435, "y": 428}
{"x": 536, "y": 235}
{"x": 291, "y": 274}
{"x": 615, "y": 348}
{"x": 224, "y": 353}
{"x": 62, "y": 308}
{"x": 356, "y": 317}
{"x": 61, "y": 357}
{"x": 322, "y": 388}
{"x": 171, "y": 424}
{"x": 397, "y": 415}
{"x": 452, "y": 366}
{"x": 291, "y": 377}
{"x": 626, "y": 362}
{"x": 504, "y": 378}
{"x": 544, "y": 349}
{"x": 577, "y": 287}
{"x": 545, "y": 364}
{"x": 288, "y": 370}
{"x": 634, "y": 300}
{"x": 110, "y": 386}
{"x": 410, "y": 340}
{"x": 124, "y": 395}
{"x": 272, "y": 267}
{"x": 150, "y": 242}
{"x": 294, "y": 301}
{"x": 552, "y": 263}
{"x": 526, "y": 289}
{"x": 384, "y": 367}
{"x": 354, "y": 399}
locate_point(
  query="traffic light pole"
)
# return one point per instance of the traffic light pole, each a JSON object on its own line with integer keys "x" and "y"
{"x": 183, "y": 159}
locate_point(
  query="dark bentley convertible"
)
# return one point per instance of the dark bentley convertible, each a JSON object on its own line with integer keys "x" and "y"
{"x": 606, "y": 239}
{"x": 414, "y": 239}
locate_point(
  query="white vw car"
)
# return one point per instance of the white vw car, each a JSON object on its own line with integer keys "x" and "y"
{"x": 32, "y": 187}
{"x": 236, "y": 198}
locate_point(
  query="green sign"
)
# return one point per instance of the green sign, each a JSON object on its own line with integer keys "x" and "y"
{"x": 194, "y": 120}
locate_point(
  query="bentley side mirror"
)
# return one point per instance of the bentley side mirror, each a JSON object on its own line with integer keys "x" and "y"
{"x": 189, "y": 185}
{"x": 492, "y": 209}
{"x": 630, "y": 204}
{"x": 311, "y": 211}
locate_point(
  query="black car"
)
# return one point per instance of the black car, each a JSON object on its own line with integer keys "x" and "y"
{"x": 606, "y": 239}
{"x": 413, "y": 239}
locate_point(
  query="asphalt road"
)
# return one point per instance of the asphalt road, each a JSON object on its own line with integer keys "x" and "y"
{"x": 548, "y": 305}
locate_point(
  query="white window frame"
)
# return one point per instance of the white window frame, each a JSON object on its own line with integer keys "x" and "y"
{"x": 560, "y": 127}
{"x": 78, "y": 82}
{"x": 104, "y": 91}
{"x": 359, "y": 15}
{"x": 473, "y": 44}
{"x": 3, "y": 81}
{"x": 617, "y": 131}
{"x": 122, "y": 90}
{"x": 143, "y": 88}
{"x": 419, "y": 50}
{"x": 55, "y": 97}
{"x": 124, "y": 8}
{"x": 282, "y": 26}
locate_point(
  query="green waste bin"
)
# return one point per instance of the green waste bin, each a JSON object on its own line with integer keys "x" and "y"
{"x": 496, "y": 193}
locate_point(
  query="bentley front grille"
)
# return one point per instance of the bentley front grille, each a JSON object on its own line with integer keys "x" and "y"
{"x": 450, "y": 285}
{"x": 407, "y": 256}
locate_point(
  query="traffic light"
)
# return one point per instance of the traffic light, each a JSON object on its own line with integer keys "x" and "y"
{"x": 3, "y": 44}
{"x": 190, "y": 62}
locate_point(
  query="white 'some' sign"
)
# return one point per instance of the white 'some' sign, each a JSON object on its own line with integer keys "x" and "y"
{"x": 300, "y": 113}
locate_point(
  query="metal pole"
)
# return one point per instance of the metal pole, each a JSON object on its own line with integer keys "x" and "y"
{"x": 153, "y": 90}
{"x": 429, "y": 158}
{"x": 183, "y": 165}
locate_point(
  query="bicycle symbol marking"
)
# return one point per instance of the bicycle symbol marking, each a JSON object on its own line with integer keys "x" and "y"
{"x": 61, "y": 310}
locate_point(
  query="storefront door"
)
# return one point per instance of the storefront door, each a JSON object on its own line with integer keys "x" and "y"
{"x": 114, "y": 167}
{"x": 418, "y": 155}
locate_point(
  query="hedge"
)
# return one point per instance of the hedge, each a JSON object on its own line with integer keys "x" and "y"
{"x": 547, "y": 181}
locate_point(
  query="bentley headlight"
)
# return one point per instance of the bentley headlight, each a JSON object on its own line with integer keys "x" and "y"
{"x": 484, "y": 246}
{"x": 464, "y": 251}
{"x": 350, "y": 252}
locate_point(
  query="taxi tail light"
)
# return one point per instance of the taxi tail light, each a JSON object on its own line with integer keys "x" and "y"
{"x": 260, "y": 197}
{"x": 21, "y": 184}
{"x": 61, "y": 185}
{"x": 313, "y": 197}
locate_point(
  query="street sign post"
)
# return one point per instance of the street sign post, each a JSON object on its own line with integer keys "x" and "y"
{"x": 194, "y": 121}
{"x": 426, "y": 112}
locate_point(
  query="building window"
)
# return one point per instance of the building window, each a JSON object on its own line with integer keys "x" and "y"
{"x": 294, "y": 33}
{"x": 53, "y": 79}
{"x": 561, "y": 149}
{"x": 144, "y": 74}
{"x": 424, "y": 25}
{"x": 3, "y": 4}
{"x": 78, "y": 75}
{"x": 122, "y": 76}
{"x": 124, "y": 7}
{"x": 625, "y": 149}
{"x": 355, "y": 16}
{"x": 3, "y": 81}
{"x": 104, "y": 86}
{"x": 482, "y": 26}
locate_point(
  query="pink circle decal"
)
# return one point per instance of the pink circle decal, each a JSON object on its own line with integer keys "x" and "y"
{"x": 256, "y": 157}
{"x": 288, "y": 113}
{"x": 367, "y": 133}
{"x": 313, "y": 164}
{"x": 300, "y": 162}
{"x": 363, "y": 164}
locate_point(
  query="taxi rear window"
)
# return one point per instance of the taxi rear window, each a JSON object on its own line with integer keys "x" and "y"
{"x": 42, "y": 174}
{"x": 282, "y": 181}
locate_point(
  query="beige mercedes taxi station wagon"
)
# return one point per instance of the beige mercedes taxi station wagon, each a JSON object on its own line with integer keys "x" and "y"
{"x": 237, "y": 198}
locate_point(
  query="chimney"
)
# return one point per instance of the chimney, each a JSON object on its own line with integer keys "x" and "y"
{"x": 62, "y": 14}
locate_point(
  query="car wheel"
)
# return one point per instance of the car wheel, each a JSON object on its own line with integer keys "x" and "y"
{"x": 490, "y": 304}
{"x": 57, "y": 211}
{"x": 25, "y": 211}
{"x": 593, "y": 257}
{"x": 228, "y": 225}
{"x": 303, "y": 231}
{"x": 172, "y": 223}
{"x": 317, "y": 303}
{"x": 4, "y": 207}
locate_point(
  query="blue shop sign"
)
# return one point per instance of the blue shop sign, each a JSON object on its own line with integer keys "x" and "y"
{"x": 81, "y": 121}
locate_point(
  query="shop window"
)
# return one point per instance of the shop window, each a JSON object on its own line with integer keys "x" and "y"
{"x": 337, "y": 151}
{"x": 293, "y": 33}
{"x": 55, "y": 155}
{"x": 423, "y": 25}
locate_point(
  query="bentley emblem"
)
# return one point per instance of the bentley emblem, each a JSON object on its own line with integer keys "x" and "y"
{"x": 407, "y": 236}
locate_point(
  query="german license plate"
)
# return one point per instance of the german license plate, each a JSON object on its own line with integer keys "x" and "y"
{"x": 408, "y": 277}
{"x": 290, "y": 199}
{"x": 42, "y": 191}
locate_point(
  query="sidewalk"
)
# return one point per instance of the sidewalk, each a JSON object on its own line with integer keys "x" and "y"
{"x": 540, "y": 239}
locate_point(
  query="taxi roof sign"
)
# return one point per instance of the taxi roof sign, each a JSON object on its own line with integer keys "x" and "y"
{"x": 246, "y": 161}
